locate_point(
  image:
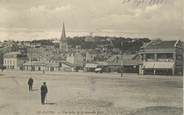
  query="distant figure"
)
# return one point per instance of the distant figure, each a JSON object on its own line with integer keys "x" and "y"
{"x": 30, "y": 83}
{"x": 44, "y": 91}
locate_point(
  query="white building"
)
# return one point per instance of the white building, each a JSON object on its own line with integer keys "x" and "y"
{"x": 35, "y": 66}
{"x": 76, "y": 59}
{"x": 48, "y": 66}
{"x": 90, "y": 56}
{"x": 162, "y": 57}
{"x": 14, "y": 60}
{"x": 90, "y": 67}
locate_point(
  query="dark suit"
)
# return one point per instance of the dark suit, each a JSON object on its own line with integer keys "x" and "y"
{"x": 30, "y": 83}
{"x": 44, "y": 91}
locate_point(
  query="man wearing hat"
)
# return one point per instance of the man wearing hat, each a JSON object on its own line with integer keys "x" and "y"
{"x": 30, "y": 84}
{"x": 44, "y": 91}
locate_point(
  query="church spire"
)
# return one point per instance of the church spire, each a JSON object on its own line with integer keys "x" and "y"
{"x": 63, "y": 43}
{"x": 63, "y": 34}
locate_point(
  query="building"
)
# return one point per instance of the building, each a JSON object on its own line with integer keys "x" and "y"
{"x": 14, "y": 60}
{"x": 90, "y": 67}
{"x": 63, "y": 46}
{"x": 35, "y": 66}
{"x": 3, "y": 50}
{"x": 128, "y": 63}
{"x": 76, "y": 59}
{"x": 36, "y": 54}
{"x": 117, "y": 63}
{"x": 162, "y": 57}
{"x": 1, "y": 60}
{"x": 48, "y": 66}
{"x": 90, "y": 56}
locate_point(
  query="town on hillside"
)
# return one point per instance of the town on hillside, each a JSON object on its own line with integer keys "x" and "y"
{"x": 93, "y": 54}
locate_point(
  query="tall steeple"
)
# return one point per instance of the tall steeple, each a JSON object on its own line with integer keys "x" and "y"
{"x": 63, "y": 34}
{"x": 63, "y": 43}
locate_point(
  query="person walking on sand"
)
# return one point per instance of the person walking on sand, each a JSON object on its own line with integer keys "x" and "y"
{"x": 30, "y": 84}
{"x": 44, "y": 92}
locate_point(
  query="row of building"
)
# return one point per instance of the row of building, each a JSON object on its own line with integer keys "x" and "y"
{"x": 156, "y": 57}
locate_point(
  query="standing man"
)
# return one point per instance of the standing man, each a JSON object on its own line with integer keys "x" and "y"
{"x": 30, "y": 83}
{"x": 44, "y": 91}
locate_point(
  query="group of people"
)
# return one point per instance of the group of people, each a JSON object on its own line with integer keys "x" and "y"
{"x": 43, "y": 89}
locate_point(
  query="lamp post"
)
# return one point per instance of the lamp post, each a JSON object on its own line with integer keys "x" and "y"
{"x": 121, "y": 60}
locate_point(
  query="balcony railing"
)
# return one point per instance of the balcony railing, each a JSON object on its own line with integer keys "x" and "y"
{"x": 159, "y": 60}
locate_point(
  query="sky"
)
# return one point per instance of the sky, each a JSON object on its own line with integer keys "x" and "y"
{"x": 42, "y": 19}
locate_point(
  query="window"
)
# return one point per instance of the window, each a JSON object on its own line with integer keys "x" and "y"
{"x": 150, "y": 56}
{"x": 179, "y": 51}
{"x": 60, "y": 64}
{"x": 179, "y": 57}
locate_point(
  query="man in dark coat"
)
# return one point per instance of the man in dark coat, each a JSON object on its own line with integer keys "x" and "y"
{"x": 30, "y": 83}
{"x": 44, "y": 91}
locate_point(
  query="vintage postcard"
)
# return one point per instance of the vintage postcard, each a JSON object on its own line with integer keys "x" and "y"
{"x": 91, "y": 57}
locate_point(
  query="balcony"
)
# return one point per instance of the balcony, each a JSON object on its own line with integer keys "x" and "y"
{"x": 160, "y": 60}
{"x": 158, "y": 65}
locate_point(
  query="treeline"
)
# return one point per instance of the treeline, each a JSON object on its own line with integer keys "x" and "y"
{"x": 126, "y": 44}
{"x": 43, "y": 42}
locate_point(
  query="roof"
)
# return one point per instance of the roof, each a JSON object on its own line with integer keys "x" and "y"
{"x": 68, "y": 64}
{"x": 15, "y": 55}
{"x": 38, "y": 63}
{"x": 124, "y": 60}
{"x": 102, "y": 63}
{"x": 45, "y": 63}
{"x": 57, "y": 58}
{"x": 158, "y": 44}
{"x": 52, "y": 65}
{"x": 12, "y": 53}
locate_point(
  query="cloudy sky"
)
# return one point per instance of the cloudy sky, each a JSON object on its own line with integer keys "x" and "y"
{"x": 39, "y": 19}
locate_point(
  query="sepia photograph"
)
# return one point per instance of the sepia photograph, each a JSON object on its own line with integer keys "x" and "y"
{"x": 91, "y": 57}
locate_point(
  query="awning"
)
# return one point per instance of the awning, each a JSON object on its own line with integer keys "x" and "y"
{"x": 90, "y": 65}
{"x": 158, "y": 65}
